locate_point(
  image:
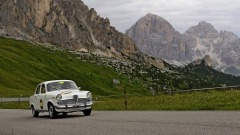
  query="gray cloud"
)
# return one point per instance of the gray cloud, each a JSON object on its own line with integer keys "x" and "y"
{"x": 182, "y": 14}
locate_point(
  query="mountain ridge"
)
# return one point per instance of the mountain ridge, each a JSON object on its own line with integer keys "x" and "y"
{"x": 196, "y": 42}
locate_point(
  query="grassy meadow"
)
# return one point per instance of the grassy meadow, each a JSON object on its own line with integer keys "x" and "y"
{"x": 24, "y": 65}
{"x": 14, "y": 105}
{"x": 210, "y": 100}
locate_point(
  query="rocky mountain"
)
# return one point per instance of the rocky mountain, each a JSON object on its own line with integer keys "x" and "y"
{"x": 156, "y": 37}
{"x": 68, "y": 24}
{"x": 222, "y": 47}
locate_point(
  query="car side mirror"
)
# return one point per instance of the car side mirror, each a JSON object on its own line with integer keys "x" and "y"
{"x": 79, "y": 88}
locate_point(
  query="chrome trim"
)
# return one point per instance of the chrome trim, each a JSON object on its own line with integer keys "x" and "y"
{"x": 73, "y": 101}
{"x": 72, "y": 108}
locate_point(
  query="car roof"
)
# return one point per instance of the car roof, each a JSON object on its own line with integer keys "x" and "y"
{"x": 46, "y": 82}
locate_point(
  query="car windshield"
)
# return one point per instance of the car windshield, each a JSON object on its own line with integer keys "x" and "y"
{"x": 61, "y": 85}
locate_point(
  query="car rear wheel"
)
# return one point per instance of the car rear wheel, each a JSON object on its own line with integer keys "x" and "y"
{"x": 34, "y": 112}
{"x": 87, "y": 112}
{"x": 52, "y": 111}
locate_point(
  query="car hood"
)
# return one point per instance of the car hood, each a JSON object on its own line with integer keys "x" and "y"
{"x": 68, "y": 94}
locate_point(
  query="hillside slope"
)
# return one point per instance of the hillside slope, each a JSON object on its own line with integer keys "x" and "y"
{"x": 24, "y": 65}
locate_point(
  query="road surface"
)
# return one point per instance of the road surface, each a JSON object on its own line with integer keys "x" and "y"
{"x": 20, "y": 122}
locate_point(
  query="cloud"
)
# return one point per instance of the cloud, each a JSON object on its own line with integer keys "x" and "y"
{"x": 182, "y": 14}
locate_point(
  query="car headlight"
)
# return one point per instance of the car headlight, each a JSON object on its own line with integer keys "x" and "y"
{"x": 59, "y": 97}
{"x": 89, "y": 95}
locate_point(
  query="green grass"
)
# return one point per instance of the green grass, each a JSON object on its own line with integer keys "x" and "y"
{"x": 212, "y": 100}
{"x": 24, "y": 65}
{"x": 15, "y": 105}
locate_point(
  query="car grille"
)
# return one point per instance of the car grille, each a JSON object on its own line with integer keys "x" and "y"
{"x": 73, "y": 101}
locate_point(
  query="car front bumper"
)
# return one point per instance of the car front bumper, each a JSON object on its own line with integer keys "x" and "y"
{"x": 73, "y": 108}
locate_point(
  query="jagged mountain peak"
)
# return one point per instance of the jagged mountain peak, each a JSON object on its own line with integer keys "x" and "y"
{"x": 150, "y": 15}
{"x": 202, "y": 28}
{"x": 153, "y": 24}
{"x": 203, "y": 23}
{"x": 153, "y": 32}
{"x": 154, "y": 20}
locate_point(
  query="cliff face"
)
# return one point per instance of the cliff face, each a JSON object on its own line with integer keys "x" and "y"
{"x": 66, "y": 23}
{"x": 222, "y": 47}
{"x": 156, "y": 37}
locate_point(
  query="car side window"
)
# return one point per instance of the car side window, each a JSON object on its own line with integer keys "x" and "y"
{"x": 38, "y": 89}
{"x": 43, "y": 89}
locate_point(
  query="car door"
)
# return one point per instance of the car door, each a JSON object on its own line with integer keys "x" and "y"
{"x": 42, "y": 98}
{"x": 36, "y": 98}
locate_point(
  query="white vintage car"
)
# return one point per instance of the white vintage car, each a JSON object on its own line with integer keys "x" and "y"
{"x": 60, "y": 96}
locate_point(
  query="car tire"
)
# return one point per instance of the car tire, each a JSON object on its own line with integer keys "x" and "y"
{"x": 87, "y": 112}
{"x": 52, "y": 111}
{"x": 34, "y": 112}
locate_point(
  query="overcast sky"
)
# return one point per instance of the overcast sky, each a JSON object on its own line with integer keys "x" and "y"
{"x": 182, "y": 14}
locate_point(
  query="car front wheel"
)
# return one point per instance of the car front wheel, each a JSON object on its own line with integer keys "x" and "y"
{"x": 87, "y": 112}
{"x": 34, "y": 112}
{"x": 52, "y": 112}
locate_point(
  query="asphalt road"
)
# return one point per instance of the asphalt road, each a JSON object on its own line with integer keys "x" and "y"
{"x": 20, "y": 122}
